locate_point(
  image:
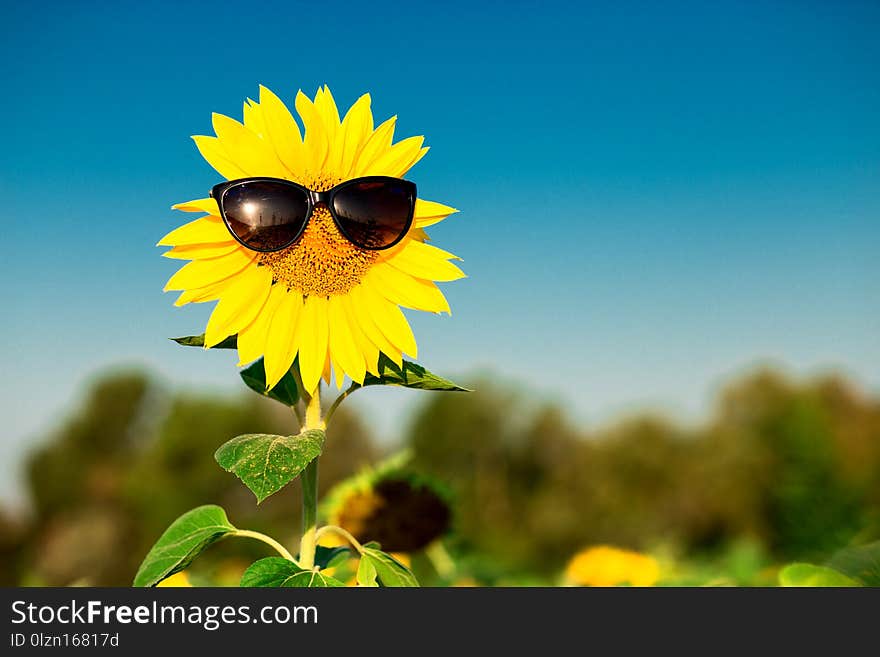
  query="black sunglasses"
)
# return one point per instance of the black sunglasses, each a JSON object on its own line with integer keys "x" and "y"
{"x": 270, "y": 214}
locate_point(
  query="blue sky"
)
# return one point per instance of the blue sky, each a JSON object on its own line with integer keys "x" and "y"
{"x": 654, "y": 196}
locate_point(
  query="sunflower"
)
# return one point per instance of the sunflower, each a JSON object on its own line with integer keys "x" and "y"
{"x": 402, "y": 510}
{"x": 323, "y": 301}
{"x": 604, "y": 565}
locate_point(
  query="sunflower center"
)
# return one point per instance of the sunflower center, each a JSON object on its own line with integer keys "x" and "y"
{"x": 321, "y": 262}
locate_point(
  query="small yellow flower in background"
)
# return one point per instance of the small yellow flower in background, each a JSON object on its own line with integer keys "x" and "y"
{"x": 177, "y": 580}
{"x": 604, "y": 565}
{"x": 323, "y": 300}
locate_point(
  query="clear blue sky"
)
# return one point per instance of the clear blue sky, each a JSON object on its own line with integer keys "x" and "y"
{"x": 654, "y": 195}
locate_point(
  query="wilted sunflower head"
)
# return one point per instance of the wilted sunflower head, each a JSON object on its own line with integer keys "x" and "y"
{"x": 402, "y": 511}
{"x": 322, "y": 299}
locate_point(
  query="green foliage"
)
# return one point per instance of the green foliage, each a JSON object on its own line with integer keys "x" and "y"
{"x": 794, "y": 467}
{"x": 326, "y": 557}
{"x": 382, "y": 567}
{"x": 805, "y": 574}
{"x": 530, "y": 487}
{"x": 183, "y": 541}
{"x": 859, "y": 562}
{"x": 285, "y": 391}
{"x": 410, "y": 375}
{"x": 266, "y": 463}
{"x": 199, "y": 341}
{"x": 275, "y": 571}
{"x": 366, "y": 573}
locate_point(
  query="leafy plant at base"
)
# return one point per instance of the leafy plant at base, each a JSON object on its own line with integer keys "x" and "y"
{"x": 852, "y": 566}
{"x": 806, "y": 574}
{"x": 861, "y": 563}
{"x": 377, "y": 567}
{"x": 183, "y": 541}
{"x": 265, "y": 462}
{"x": 275, "y": 571}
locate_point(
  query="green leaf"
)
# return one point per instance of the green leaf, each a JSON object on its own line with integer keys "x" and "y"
{"x": 265, "y": 462}
{"x": 183, "y": 541}
{"x": 285, "y": 391}
{"x": 389, "y": 571}
{"x": 410, "y": 375}
{"x": 366, "y": 573}
{"x": 199, "y": 341}
{"x": 861, "y": 563}
{"x": 275, "y": 571}
{"x": 806, "y": 574}
{"x": 326, "y": 557}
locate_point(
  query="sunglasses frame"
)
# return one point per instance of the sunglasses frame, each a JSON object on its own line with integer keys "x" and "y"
{"x": 313, "y": 199}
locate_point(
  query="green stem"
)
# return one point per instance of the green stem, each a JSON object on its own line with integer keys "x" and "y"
{"x": 341, "y": 532}
{"x": 309, "y": 481}
{"x": 268, "y": 540}
{"x": 338, "y": 401}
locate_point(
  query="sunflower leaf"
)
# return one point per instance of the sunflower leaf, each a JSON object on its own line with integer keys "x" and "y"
{"x": 411, "y": 375}
{"x": 285, "y": 391}
{"x": 266, "y": 463}
{"x": 382, "y": 567}
{"x": 366, "y": 573}
{"x": 199, "y": 341}
{"x": 806, "y": 574}
{"x": 275, "y": 571}
{"x": 183, "y": 541}
{"x": 861, "y": 563}
{"x": 327, "y": 557}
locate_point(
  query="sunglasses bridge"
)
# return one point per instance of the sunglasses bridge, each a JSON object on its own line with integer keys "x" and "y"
{"x": 322, "y": 198}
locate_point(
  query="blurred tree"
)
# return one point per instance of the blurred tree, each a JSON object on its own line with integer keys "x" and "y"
{"x": 796, "y": 468}
{"x": 109, "y": 481}
{"x": 789, "y": 468}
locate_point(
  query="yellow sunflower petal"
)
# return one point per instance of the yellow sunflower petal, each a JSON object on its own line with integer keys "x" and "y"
{"x": 328, "y": 368}
{"x": 201, "y": 251}
{"x": 357, "y": 304}
{"x": 281, "y": 344}
{"x": 428, "y": 213}
{"x": 368, "y": 351}
{"x": 201, "y": 273}
{"x": 425, "y": 261}
{"x": 252, "y": 338}
{"x": 208, "y": 205}
{"x": 398, "y": 159}
{"x": 202, "y": 294}
{"x": 389, "y": 319}
{"x": 312, "y": 338}
{"x": 283, "y": 132}
{"x": 214, "y": 154}
{"x": 376, "y": 145}
{"x": 343, "y": 348}
{"x": 315, "y": 140}
{"x": 326, "y": 106}
{"x": 246, "y": 149}
{"x": 207, "y": 230}
{"x": 238, "y": 304}
{"x": 405, "y": 290}
{"x": 357, "y": 126}
{"x": 253, "y": 118}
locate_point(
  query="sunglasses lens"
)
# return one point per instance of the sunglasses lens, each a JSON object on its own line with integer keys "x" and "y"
{"x": 375, "y": 215}
{"x": 265, "y": 215}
